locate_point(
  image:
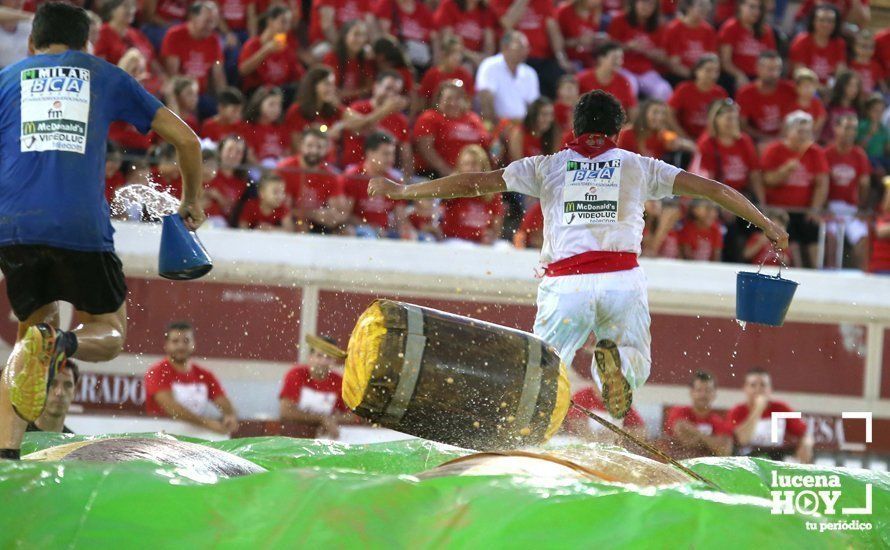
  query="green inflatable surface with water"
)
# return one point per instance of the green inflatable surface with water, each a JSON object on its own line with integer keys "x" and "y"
{"x": 326, "y": 495}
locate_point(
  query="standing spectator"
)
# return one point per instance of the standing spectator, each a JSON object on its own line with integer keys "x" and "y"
{"x": 588, "y": 429}
{"x": 237, "y": 23}
{"x": 411, "y": 22}
{"x": 795, "y": 173}
{"x": 607, "y": 76}
{"x": 59, "y": 396}
{"x": 329, "y": 16}
{"x": 472, "y": 22}
{"x": 751, "y": 423}
{"x": 567, "y": 94}
{"x": 230, "y": 118}
{"x": 759, "y": 250}
{"x": 874, "y": 137}
{"x": 641, "y": 33}
{"x": 582, "y": 24}
{"x": 450, "y": 67}
{"x": 843, "y": 100}
{"x": 849, "y": 176}
{"x": 317, "y": 106}
{"x": 820, "y": 49}
{"x": 537, "y": 135}
{"x": 691, "y": 100}
{"x": 649, "y": 136}
{"x": 266, "y": 59}
{"x": 697, "y": 430}
{"x": 382, "y": 112}
{"x": 158, "y": 16}
{"x": 389, "y": 55}
{"x": 505, "y": 84}
{"x": 311, "y": 392}
{"x": 701, "y": 237}
{"x": 867, "y": 65}
{"x": 474, "y": 219}
{"x": 375, "y": 216}
{"x": 806, "y": 82}
{"x": 441, "y": 133}
{"x": 879, "y": 259}
{"x": 268, "y": 212}
{"x": 690, "y": 36}
{"x": 743, "y": 39}
{"x": 14, "y": 35}
{"x": 228, "y": 186}
{"x": 266, "y": 135}
{"x": 766, "y": 101}
{"x": 178, "y": 388}
{"x": 352, "y": 62}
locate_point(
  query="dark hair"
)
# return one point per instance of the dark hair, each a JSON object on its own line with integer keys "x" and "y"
{"x": 550, "y": 135}
{"x": 598, "y": 112}
{"x": 108, "y": 7}
{"x": 162, "y": 152}
{"x": 70, "y": 365}
{"x": 378, "y": 139}
{"x": 240, "y": 171}
{"x": 313, "y": 131}
{"x": 703, "y": 376}
{"x": 606, "y": 48}
{"x": 641, "y": 122}
{"x": 389, "y": 49}
{"x": 253, "y": 112}
{"x": 196, "y": 8}
{"x": 271, "y": 14}
{"x": 267, "y": 178}
{"x": 388, "y": 74}
{"x": 451, "y": 84}
{"x": 651, "y": 23}
{"x": 841, "y": 81}
{"x": 704, "y": 60}
{"x": 208, "y": 155}
{"x": 59, "y": 23}
{"x": 342, "y": 54}
{"x": 769, "y": 54}
{"x": 230, "y": 96}
{"x": 180, "y": 326}
{"x": 811, "y": 20}
{"x": 308, "y": 100}
{"x": 759, "y": 25}
{"x": 111, "y": 149}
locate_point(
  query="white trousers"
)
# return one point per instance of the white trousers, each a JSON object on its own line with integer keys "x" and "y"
{"x": 613, "y": 305}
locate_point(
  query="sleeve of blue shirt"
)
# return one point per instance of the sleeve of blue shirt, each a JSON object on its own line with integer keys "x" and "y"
{"x": 131, "y": 103}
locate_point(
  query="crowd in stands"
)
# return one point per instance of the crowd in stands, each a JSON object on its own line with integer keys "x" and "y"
{"x": 299, "y": 102}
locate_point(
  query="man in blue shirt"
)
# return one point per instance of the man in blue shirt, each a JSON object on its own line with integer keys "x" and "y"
{"x": 55, "y": 233}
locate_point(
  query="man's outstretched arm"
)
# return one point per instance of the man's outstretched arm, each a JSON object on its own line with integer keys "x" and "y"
{"x": 471, "y": 184}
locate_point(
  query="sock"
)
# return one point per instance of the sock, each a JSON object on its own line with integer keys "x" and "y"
{"x": 69, "y": 342}
{"x": 11, "y": 454}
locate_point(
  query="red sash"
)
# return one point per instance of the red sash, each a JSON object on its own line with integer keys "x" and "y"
{"x": 592, "y": 262}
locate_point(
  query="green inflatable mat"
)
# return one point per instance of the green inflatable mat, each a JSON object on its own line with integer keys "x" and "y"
{"x": 319, "y": 494}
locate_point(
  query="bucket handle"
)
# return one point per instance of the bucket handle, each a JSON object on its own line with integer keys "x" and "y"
{"x": 778, "y": 256}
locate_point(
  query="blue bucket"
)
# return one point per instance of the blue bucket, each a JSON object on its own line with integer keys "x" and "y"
{"x": 182, "y": 256}
{"x": 763, "y": 299}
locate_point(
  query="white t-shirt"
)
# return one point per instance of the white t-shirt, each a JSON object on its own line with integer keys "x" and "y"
{"x": 512, "y": 93}
{"x": 14, "y": 45}
{"x": 591, "y": 204}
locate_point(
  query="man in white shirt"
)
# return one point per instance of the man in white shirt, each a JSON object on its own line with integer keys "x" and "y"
{"x": 592, "y": 195}
{"x": 505, "y": 84}
{"x": 15, "y": 28}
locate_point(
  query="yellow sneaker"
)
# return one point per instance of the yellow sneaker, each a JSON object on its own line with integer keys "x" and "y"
{"x": 617, "y": 393}
{"x": 31, "y": 368}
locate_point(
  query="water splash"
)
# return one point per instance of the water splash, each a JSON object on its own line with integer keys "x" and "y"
{"x": 131, "y": 201}
{"x": 742, "y": 324}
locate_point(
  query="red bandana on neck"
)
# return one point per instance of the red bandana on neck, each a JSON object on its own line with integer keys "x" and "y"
{"x": 591, "y": 145}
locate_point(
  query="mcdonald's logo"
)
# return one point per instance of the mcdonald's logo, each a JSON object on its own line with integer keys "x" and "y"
{"x": 29, "y": 128}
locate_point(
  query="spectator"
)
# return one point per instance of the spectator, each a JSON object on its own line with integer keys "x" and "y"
{"x": 691, "y": 100}
{"x": 879, "y": 259}
{"x": 158, "y": 16}
{"x": 701, "y": 237}
{"x": 317, "y": 106}
{"x": 843, "y": 100}
{"x": 329, "y": 16}
{"x": 567, "y": 94}
{"x": 795, "y": 173}
{"x": 424, "y": 214}
{"x": 474, "y": 219}
{"x": 640, "y": 31}
{"x": 375, "y": 216}
{"x": 472, "y": 22}
{"x": 588, "y": 429}
{"x": 178, "y": 388}
{"x": 121, "y": 133}
{"x": 14, "y": 35}
{"x": 411, "y": 22}
{"x": 230, "y": 118}
{"x": 531, "y": 230}
{"x": 849, "y": 176}
{"x": 751, "y": 423}
{"x": 760, "y": 251}
{"x": 265, "y": 133}
{"x": 182, "y": 98}
{"x": 874, "y": 137}
{"x": 660, "y": 235}
{"x": 230, "y": 183}
{"x": 855, "y": 12}
{"x": 867, "y": 65}
{"x": 450, "y": 67}
{"x": 311, "y": 392}
{"x": 352, "y": 62}
{"x": 268, "y": 212}
{"x": 806, "y": 83}
{"x": 607, "y": 76}
{"x": 649, "y": 136}
{"x": 314, "y": 190}
{"x": 266, "y": 59}
{"x": 765, "y": 102}
{"x": 114, "y": 178}
{"x": 237, "y": 23}
{"x": 59, "y": 396}
{"x": 582, "y": 24}
{"x": 821, "y": 48}
{"x": 382, "y": 112}
{"x": 209, "y": 171}
{"x": 165, "y": 174}
{"x": 743, "y": 39}
{"x": 689, "y": 37}
{"x": 697, "y": 430}
{"x": 116, "y": 35}
{"x": 441, "y": 133}
{"x": 537, "y": 135}
{"x": 390, "y": 56}
{"x": 505, "y": 84}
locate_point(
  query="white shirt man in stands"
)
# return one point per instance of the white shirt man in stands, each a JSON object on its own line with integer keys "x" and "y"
{"x": 505, "y": 84}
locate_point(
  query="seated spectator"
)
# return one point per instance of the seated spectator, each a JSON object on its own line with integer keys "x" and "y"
{"x": 842, "y": 100}
{"x": 588, "y": 429}
{"x": 267, "y": 137}
{"x": 795, "y": 174}
{"x": 441, "y": 133}
{"x": 209, "y": 170}
{"x": 879, "y": 259}
{"x": 375, "y": 216}
{"x": 760, "y": 251}
{"x": 116, "y": 35}
{"x": 411, "y": 22}
{"x": 182, "y": 99}
{"x": 537, "y": 135}
{"x": 314, "y": 190}
{"x": 582, "y": 25}
{"x": 855, "y": 12}
{"x": 327, "y": 17}
{"x": 158, "y": 16}
{"x": 269, "y": 211}
{"x": 14, "y": 34}
{"x": 505, "y": 85}
{"x": 752, "y": 426}
{"x": 450, "y": 67}
{"x": 849, "y": 176}
{"x": 114, "y": 177}
{"x": 351, "y": 62}
{"x": 230, "y": 118}
{"x": 224, "y": 192}
{"x": 390, "y": 56}
{"x": 165, "y": 174}
{"x": 267, "y": 59}
{"x": 311, "y": 394}
{"x": 640, "y": 31}
{"x": 743, "y": 39}
{"x": 607, "y": 76}
{"x": 688, "y": 37}
{"x": 661, "y": 230}
{"x": 867, "y": 65}
{"x": 424, "y": 217}
{"x": 122, "y": 134}
{"x": 531, "y": 230}
{"x": 178, "y": 388}
{"x": 697, "y": 430}
{"x": 874, "y": 137}
{"x": 649, "y": 136}
{"x": 472, "y": 23}
{"x": 317, "y": 106}
{"x": 474, "y": 219}
{"x": 701, "y": 237}
{"x": 820, "y": 49}
{"x": 567, "y": 94}
{"x": 691, "y": 100}
{"x": 806, "y": 84}
{"x": 384, "y": 111}
{"x": 59, "y": 396}
{"x": 765, "y": 102}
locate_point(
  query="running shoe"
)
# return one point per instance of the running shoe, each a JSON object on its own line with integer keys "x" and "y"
{"x": 34, "y": 362}
{"x": 617, "y": 393}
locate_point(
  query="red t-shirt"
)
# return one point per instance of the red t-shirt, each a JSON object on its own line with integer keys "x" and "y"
{"x": 429, "y": 85}
{"x": 231, "y": 187}
{"x": 531, "y": 144}
{"x": 296, "y": 122}
{"x": 351, "y": 75}
{"x": 255, "y": 217}
{"x": 469, "y": 218}
{"x": 533, "y": 24}
{"x": 311, "y": 395}
{"x": 766, "y": 255}
{"x": 823, "y": 61}
{"x": 619, "y": 87}
{"x": 172, "y": 10}
{"x": 689, "y": 43}
{"x": 807, "y": 7}
{"x": 588, "y": 399}
{"x": 573, "y": 26}
{"x": 762, "y": 435}
{"x": 277, "y": 69}
{"x": 711, "y": 424}
{"x": 797, "y": 190}
{"x": 128, "y": 137}
{"x": 344, "y": 11}
{"x": 882, "y": 49}
{"x": 746, "y": 47}
{"x": 654, "y": 146}
{"x": 845, "y": 171}
{"x": 196, "y": 57}
{"x": 870, "y": 73}
{"x": 451, "y": 135}
{"x": 691, "y": 104}
{"x": 814, "y": 108}
{"x": 112, "y": 184}
{"x": 766, "y": 112}
{"x": 879, "y": 260}
{"x": 215, "y": 130}
{"x": 563, "y": 114}
{"x": 111, "y": 46}
{"x": 234, "y": 13}
{"x": 702, "y": 242}
{"x": 371, "y": 210}
{"x": 533, "y": 220}
{"x": 354, "y": 144}
{"x": 267, "y": 141}
{"x": 309, "y": 190}
{"x": 194, "y": 389}
{"x": 416, "y": 25}
{"x": 730, "y": 165}
{"x": 470, "y": 26}
{"x": 621, "y": 30}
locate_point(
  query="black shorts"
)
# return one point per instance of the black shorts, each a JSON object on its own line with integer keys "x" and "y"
{"x": 801, "y": 230}
{"x": 38, "y": 275}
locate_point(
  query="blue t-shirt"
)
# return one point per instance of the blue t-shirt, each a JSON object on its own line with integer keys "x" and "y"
{"x": 54, "y": 116}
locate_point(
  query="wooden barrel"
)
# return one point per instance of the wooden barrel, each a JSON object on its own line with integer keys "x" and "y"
{"x": 453, "y": 379}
